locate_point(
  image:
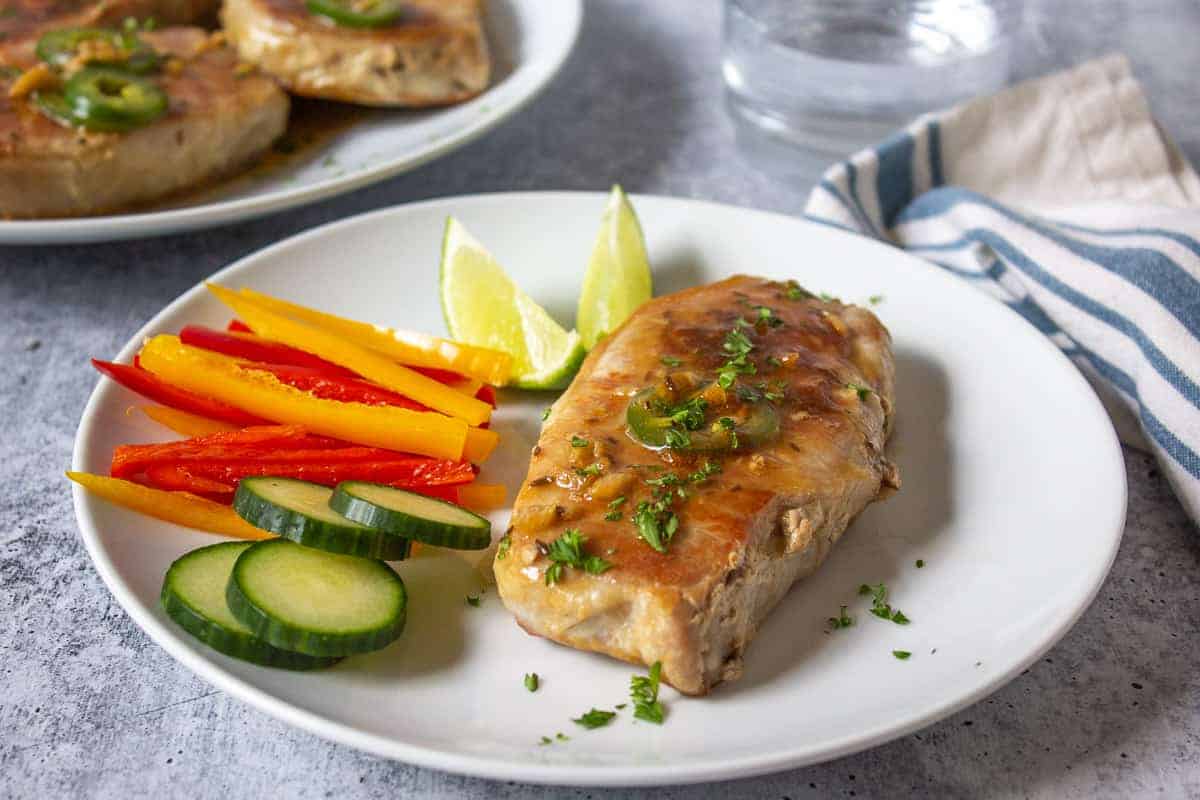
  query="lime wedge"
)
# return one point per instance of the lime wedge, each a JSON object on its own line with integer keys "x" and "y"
{"x": 618, "y": 276}
{"x": 483, "y": 307}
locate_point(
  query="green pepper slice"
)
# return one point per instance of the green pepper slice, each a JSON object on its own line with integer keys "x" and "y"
{"x": 56, "y": 107}
{"x": 358, "y": 13}
{"x": 104, "y": 99}
{"x": 649, "y": 426}
{"x": 58, "y": 47}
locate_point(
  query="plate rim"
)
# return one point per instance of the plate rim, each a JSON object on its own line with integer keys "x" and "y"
{"x": 494, "y": 768}
{"x": 219, "y": 213}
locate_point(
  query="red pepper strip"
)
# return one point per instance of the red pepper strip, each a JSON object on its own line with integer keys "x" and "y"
{"x": 324, "y": 468}
{"x": 148, "y": 385}
{"x": 487, "y": 394}
{"x": 447, "y": 493}
{"x": 180, "y": 479}
{"x": 332, "y": 387}
{"x": 130, "y": 459}
{"x": 256, "y": 348}
{"x": 242, "y": 329}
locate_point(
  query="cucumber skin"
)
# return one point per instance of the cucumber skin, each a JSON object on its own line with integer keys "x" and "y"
{"x": 262, "y": 513}
{"x": 297, "y": 640}
{"x": 232, "y": 643}
{"x": 436, "y": 534}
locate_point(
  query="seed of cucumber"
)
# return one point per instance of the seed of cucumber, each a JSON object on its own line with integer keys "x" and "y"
{"x": 411, "y": 515}
{"x": 193, "y": 594}
{"x": 313, "y": 602}
{"x": 299, "y": 510}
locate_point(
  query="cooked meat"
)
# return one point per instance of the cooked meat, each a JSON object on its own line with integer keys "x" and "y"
{"x": 753, "y": 514}
{"x": 22, "y": 18}
{"x": 434, "y": 53}
{"x": 219, "y": 120}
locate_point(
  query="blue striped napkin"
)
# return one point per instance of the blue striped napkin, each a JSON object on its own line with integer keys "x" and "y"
{"x": 1063, "y": 199}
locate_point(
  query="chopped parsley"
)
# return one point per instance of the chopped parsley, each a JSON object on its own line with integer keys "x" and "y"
{"x": 737, "y": 346}
{"x": 617, "y": 502}
{"x": 875, "y": 299}
{"x": 768, "y": 317}
{"x": 920, "y": 563}
{"x": 863, "y": 392}
{"x": 614, "y": 509}
{"x": 579, "y": 441}
{"x": 590, "y": 471}
{"x": 473, "y": 600}
{"x": 903, "y": 655}
{"x": 546, "y": 414}
{"x": 503, "y": 546}
{"x": 531, "y": 681}
{"x": 671, "y": 361}
{"x": 828, "y": 298}
{"x": 842, "y": 620}
{"x": 595, "y": 718}
{"x": 706, "y": 471}
{"x": 567, "y": 551}
{"x": 728, "y": 424}
{"x": 794, "y": 291}
{"x": 656, "y": 523}
{"x": 677, "y": 438}
{"x": 546, "y": 740}
{"x": 774, "y": 362}
{"x": 613, "y": 516}
{"x": 620, "y": 706}
{"x": 880, "y": 606}
{"x": 643, "y": 690}
{"x": 562, "y": 737}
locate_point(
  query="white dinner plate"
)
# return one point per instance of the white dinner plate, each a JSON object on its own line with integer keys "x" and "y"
{"x": 1013, "y": 497}
{"x": 530, "y": 41}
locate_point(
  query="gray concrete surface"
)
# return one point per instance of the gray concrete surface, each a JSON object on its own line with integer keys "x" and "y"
{"x": 90, "y": 708}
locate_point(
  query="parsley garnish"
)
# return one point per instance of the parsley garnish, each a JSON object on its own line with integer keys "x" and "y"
{"x": 531, "y": 681}
{"x": 728, "y": 424}
{"x": 795, "y": 291}
{"x": 920, "y": 563}
{"x": 643, "y": 690}
{"x": 671, "y": 361}
{"x": 579, "y": 441}
{"x": 617, "y": 502}
{"x": 738, "y": 346}
{"x": 546, "y": 414}
{"x": 473, "y": 600}
{"x": 595, "y": 719}
{"x": 875, "y": 299}
{"x": 591, "y": 470}
{"x": 828, "y": 298}
{"x": 562, "y": 737}
{"x": 767, "y": 317}
{"x": 774, "y": 362}
{"x": 842, "y": 620}
{"x": 620, "y": 706}
{"x": 502, "y": 547}
{"x": 706, "y": 471}
{"x": 567, "y": 551}
{"x": 879, "y": 604}
{"x": 614, "y": 509}
{"x": 546, "y": 740}
{"x": 863, "y": 392}
{"x": 613, "y": 516}
{"x": 901, "y": 654}
{"x": 677, "y": 439}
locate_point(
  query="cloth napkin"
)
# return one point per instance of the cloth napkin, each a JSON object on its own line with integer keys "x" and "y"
{"x": 1064, "y": 199}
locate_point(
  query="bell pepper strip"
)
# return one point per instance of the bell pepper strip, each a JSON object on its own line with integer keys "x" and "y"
{"x": 130, "y": 459}
{"x": 248, "y": 347}
{"x": 369, "y": 364}
{"x": 479, "y": 444}
{"x": 347, "y": 390}
{"x": 145, "y": 383}
{"x": 482, "y": 496}
{"x": 263, "y": 394}
{"x": 414, "y": 349}
{"x": 186, "y": 424}
{"x": 487, "y": 394}
{"x": 403, "y": 471}
{"x": 181, "y": 479}
{"x": 179, "y": 508}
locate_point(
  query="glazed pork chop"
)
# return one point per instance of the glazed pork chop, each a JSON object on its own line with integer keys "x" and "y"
{"x": 22, "y": 18}
{"x": 219, "y": 118}
{"x": 708, "y": 455}
{"x": 371, "y": 52}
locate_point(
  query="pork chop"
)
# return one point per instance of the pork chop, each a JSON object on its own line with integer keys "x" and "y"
{"x": 220, "y": 117}
{"x": 22, "y": 18}
{"x": 709, "y": 454}
{"x": 434, "y": 53}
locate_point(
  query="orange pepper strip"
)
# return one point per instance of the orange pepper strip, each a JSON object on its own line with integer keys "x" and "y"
{"x": 261, "y": 393}
{"x": 407, "y": 347}
{"x": 370, "y": 364}
{"x": 482, "y": 496}
{"x": 479, "y": 444}
{"x": 184, "y": 423}
{"x": 180, "y": 508}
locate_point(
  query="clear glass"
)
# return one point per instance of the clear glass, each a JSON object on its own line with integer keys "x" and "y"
{"x": 838, "y": 75}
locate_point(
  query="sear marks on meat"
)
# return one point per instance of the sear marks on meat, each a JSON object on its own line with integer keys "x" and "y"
{"x": 751, "y": 520}
{"x": 221, "y": 118}
{"x": 435, "y": 53}
{"x": 23, "y": 18}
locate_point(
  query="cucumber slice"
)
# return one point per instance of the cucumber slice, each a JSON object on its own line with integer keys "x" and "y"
{"x": 411, "y": 515}
{"x": 299, "y": 510}
{"x": 320, "y": 604}
{"x": 193, "y": 594}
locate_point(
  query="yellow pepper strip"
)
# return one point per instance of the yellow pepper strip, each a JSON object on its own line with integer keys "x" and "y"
{"x": 186, "y": 424}
{"x": 482, "y": 496}
{"x": 180, "y": 508}
{"x": 479, "y": 444}
{"x": 370, "y": 364}
{"x": 262, "y": 394}
{"x": 407, "y": 347}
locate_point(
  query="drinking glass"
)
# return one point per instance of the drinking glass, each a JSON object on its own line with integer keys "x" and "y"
{"x": 838, "y": 75}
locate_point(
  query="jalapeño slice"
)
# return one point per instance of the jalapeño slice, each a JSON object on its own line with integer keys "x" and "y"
{"x": 58, "y": 47}
{"x": 650, "y": 425}
{"x": 104, "y": 99}
{"x": 358, "y": 13}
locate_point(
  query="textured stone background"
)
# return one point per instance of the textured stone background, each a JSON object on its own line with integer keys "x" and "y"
{"x": 89, "y": 707}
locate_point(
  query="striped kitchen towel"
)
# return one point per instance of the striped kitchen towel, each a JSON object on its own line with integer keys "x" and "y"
{"x": 1062, "y": 198}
